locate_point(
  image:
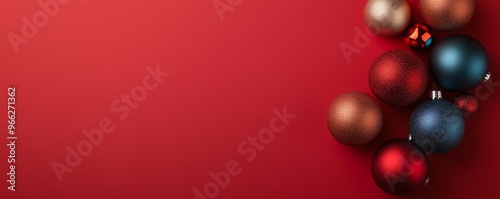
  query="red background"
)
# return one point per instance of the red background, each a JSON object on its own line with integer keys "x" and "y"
{"x": 225, "y": 79}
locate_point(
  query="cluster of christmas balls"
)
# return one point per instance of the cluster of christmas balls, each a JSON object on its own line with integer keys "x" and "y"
{"x": 457, "y": 63}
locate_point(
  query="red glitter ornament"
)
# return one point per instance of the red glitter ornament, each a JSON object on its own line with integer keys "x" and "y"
{"x": 467, "y": 104}
{"x": 399, "y": 167}
{"x": 398, "y": 77}
{"x": 419, "y": 36}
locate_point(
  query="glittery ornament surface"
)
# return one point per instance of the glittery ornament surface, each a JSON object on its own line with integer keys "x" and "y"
{"x": 447, "y": 15}
{"x": 387, "y": 17}
{"x": 398, "y": 77}
{"x": 354, "y": 119}
{"x": 437, "y": 126}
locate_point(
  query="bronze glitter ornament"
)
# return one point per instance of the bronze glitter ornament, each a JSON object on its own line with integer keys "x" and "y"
{"x": 447, "y": 15}
{"x": 354, "y": 119}
{"x": 387, "y": 18}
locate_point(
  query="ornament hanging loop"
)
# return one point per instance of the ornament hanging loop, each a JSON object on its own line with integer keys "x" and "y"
{"x": 436, "y": 94}
{"x": 487, "y": 78}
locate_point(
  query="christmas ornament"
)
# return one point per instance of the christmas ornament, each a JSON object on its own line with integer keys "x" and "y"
{"x": 458, "y": 63}
{"x": 398, "y": 77}
{"x": 354, "y": 119}
{"x": 399, "y": 167}
{"x": 447, "y": 15}
{"x": 387, "y": 17}
{"x": 419, "y": 36}
{"x": 467, "y": 104}
{"x": 437, "y": 126}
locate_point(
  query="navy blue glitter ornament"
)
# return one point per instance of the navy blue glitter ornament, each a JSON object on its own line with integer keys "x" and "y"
{"x": 437, "y": 126}
{"x": 458, "y": 63}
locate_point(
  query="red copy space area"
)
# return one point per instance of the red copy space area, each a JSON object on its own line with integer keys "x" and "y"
{"x": 226, "y": 78}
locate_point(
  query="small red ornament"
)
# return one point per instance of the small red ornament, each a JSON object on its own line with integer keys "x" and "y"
{"x": 467, "y": 104}
{"x": 399, "y": 167}
{"x": 398, "y": 77}
{"x": 419, "y": 36}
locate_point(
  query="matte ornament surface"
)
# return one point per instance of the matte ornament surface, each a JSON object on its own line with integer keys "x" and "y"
{"x": 387, "y": 18}
{"x": 399, "y": 167}
{"x": 354, "y": 119}
{"x": 458, "y": 63}
{"x": 467, "y": 104}
{"x": 437, "y": 126}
